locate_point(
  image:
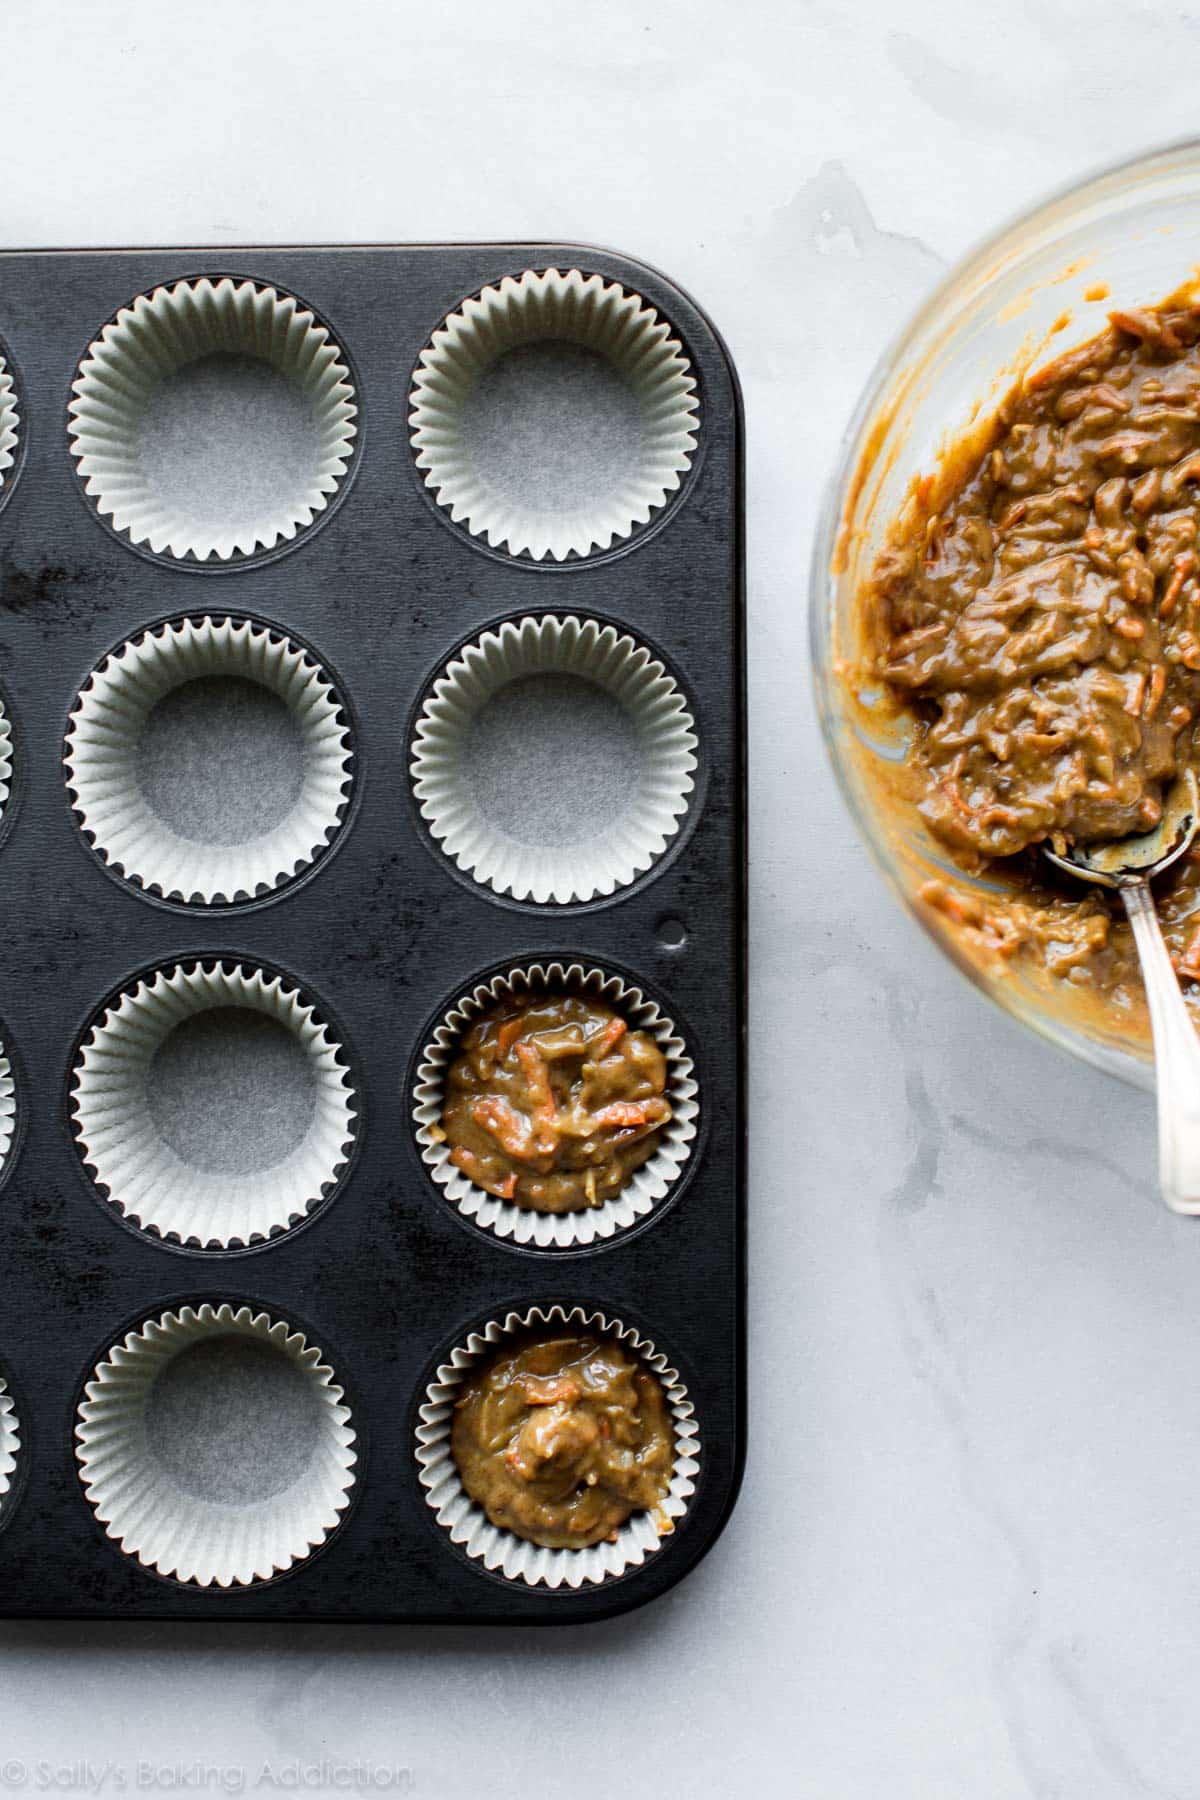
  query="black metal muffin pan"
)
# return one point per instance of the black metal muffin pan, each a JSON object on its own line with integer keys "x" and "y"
{"x": 386, "y": 1277}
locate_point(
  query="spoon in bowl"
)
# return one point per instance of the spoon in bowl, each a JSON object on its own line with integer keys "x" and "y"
{"x": 1128, "y": 866}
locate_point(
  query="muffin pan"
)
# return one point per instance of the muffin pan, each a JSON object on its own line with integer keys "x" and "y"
{"x": 371, "y": 645}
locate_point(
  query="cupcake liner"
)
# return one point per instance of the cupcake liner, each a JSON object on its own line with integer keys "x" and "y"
{"x": 10, "y": 1444}
{"x": 645, "y": 1187}
{"x": 106, "y": 728}
{"x": 553, "y": 308}
{"x": 201, "y": 1203}
{"x": 153, "y": 1514}
{"x": 503, "y": 1551}
{"x": 164, "y": 497}
{"x": 8, "y": 1109}
{"x": 6, "y": 758}
{"x": 530, "y": 857}
{"x": 10, "y": 422}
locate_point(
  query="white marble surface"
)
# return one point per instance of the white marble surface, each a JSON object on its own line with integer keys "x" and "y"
{"x": 966, "y": 1561}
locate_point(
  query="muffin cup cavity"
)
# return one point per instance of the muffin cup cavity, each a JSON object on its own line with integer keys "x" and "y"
{"x": 504, "y": 1552}
{"x": 646, "y": 1187}
{"x": 212, "y": 419}
{"x": 554, "y": 759}
{"x": 212, "y": 1106}
{"x": 231, "y": 819}
{"x": 10, "y": 1445}
{"x": 569, "y": 451}
{"x": 10, "y": 424}
{"x": 215, "y": 1446}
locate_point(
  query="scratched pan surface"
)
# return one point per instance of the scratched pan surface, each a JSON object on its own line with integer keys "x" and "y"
{"x": 384, "y": 932}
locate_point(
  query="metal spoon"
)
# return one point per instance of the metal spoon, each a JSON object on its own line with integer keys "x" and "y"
{"x": 1128, "y": 866}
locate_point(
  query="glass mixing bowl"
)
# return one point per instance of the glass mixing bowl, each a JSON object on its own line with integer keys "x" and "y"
{"x": 1126, "y": 237}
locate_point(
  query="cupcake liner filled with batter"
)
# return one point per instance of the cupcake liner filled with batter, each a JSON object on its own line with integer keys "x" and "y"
{"x": 553, "y": 414}
{"x": 212, "y": 1105}
{"x": 669, "y": 1479}
{"x": 212, "y": 419}
{"x": 514, "y": 1196}
{"x": 554, "y": 759}
{"x": 215, "y": 1445}
{"x": 209, "y": 760}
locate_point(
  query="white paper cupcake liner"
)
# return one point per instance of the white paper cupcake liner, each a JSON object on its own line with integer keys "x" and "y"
{"x": 101, "y": 758}
{"x": 10, "y": 1444}
{"x": 6, "y": 759}
{"x": 8, "y": 1109}
{"x": 150, "y": 341}
{"x": 623, "y": 843}
{"x": 185, "y": 1535}
{"x": 566, "y": 308}
{"x": 503, "y": 1551}
{"x": 123, "y": 1147}
{"x": 646, "y": 1186}
{"x": 10, "y": 422}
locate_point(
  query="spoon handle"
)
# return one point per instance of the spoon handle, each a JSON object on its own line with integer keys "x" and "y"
{"x": 1176, "y": 1056}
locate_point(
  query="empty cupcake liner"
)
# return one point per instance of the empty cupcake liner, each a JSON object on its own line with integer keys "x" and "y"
{"x": 6, "y": 758}
{"x": 8, "y": 1109}
{"x": 623, "y": 843}
{"x": 10, "y": 1444}
{"x": 131, "y": 1161}
{"x": 503, "y": 1551}
{"x": 101, "y": 751}
{"x": 645, "y": 1187}
{"x": 10, "y": 422}
{"x": 554, "y": 307}
{"x": 149, "y": 342}
{"x": 186, "y": 1535}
